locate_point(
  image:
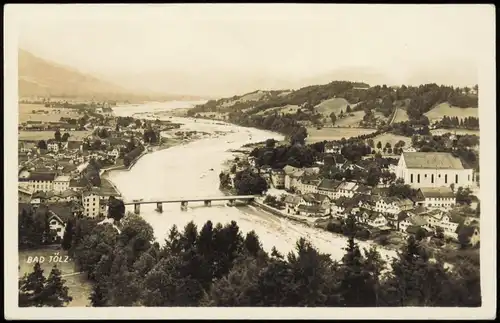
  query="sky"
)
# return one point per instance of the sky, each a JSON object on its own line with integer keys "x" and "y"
{"x": 229, "y": 49}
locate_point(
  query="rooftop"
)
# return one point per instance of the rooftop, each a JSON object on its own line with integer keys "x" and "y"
{"x": 328, "y": 185}
{"x": 62, "y": 179}
{"x": 431, "y": 192}
{"x": 42, "y": 176}
{"x": 432, "y": 160}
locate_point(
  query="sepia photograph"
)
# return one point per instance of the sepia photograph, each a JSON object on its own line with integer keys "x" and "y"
{"x": 249, "y": 161}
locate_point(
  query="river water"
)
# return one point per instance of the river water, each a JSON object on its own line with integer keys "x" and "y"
{"x": 185, "y": 171}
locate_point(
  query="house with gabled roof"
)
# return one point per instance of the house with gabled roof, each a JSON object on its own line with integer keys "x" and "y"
{"x": 436, "y": 197}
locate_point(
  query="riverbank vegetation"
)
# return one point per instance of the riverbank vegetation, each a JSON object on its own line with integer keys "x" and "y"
{"x": 218, "y": 265}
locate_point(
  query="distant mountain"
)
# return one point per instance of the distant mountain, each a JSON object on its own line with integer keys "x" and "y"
{"x": 40, "y": 77}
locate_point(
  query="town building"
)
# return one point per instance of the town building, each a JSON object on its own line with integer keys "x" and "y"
{"x": 278, "y": 178}
{"x": 329, "y": 187}
{"x": 52, "y": 146}
{"x": 436, "y": 197}
{"x": 433, "y": 169}
{"x": 392, "y": 205}
{"x": 91, "y": 203}
{"x": 308, "y": 184}
{"x": 61, "y": 183}
{"x": 42, "y": 181}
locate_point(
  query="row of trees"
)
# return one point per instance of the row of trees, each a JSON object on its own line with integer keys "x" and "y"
{"x": 471, "y": 123}
{"x": 219, "y": 266}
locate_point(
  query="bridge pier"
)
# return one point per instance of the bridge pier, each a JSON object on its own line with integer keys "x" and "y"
{"x": 137, "y": 208}
{"x": 208, "y": 203}
{"x": 230, "y": 203}
{"x": 184, "y": 205}
{"x": 159, "y": 207}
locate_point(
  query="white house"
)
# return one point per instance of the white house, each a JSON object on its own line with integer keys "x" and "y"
{"x": 115, "y": 153}
{"x": 392, "y": 205}
{"x": 91, "y": 205}
{"x": 308, "y": 184}
{"x": 278, "y": 178}
{"x": 61, "y": 183}
{"x": 53, "y": 146}
{"x": 436, "y": 197}
{"x": 329, "y": 187}
{"x": 291, "y": 203}
{"x": 377, "y": 220}
{"x": 332, "y": 148}
{"x": 431, "y": 169}
{"x": 347, "y": 189}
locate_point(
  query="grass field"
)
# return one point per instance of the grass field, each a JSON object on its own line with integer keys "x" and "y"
{"x": 334, "y": 105}
{"x": 315, "y": 135}
{"x": 44, "y": 135}
{"x": 79, "y": 287}
{"x": 444, "y": 109}
{"x": 392, "y": 139}
{"x": 350, "y": 121}
{"x": 401, "y": 116}
{"x": 26, "y": 113}
{"x": 288, "y": 109}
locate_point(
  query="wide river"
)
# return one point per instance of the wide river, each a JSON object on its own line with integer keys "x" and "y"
{"x": 185, "y": 171}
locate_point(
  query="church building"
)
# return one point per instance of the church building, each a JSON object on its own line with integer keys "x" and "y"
{"x": 432, "y": 169}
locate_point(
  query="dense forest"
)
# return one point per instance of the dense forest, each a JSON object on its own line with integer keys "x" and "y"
{"x": 218, "y": 265}
{"x": 383, "y": 99}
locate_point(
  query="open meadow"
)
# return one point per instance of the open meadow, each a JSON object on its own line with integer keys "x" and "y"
{"x": 79, "y": 287}
{"x": 38, "y": 112}
{"x": 401, "y": 115}
{"x": 315, "y": 135}
{"x": 44, "y": 135}
{"x": 444, "y": 109}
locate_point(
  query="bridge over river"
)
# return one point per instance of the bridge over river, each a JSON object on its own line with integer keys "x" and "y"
{"x": 184, "y": 201}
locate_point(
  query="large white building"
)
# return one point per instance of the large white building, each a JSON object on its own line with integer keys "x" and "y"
{"x": 41, "y": 181}
{"x": 431, "y": 169}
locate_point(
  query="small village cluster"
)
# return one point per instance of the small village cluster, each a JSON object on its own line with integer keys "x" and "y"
{"x": 54, "y": 176}
{"x": 435, "y": 176}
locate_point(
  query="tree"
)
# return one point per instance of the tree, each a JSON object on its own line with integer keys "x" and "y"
{"x": 116, "y": 208}
{"x": 68, "y": 236}
{"x": 98, "y": 296}
{"x": 248, "y": 183}
{"x": 31, "y": 287}
{"x": 464, "y": 196}
{"x": 65, "y": 137}
{"x": 270, "y": 143}
{"x": 57, "y": 135}
{"x": 333, "y": 117}
{"x": 371, "y": 143}
{"x": 379, "y": 145}
{"x": 42, "y": 144}
{"x": 55, "y": 292}
{"x": 348, "y": 109}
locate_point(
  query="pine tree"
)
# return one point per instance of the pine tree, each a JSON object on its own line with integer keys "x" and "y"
{"x": 31, "y": 287}
{"x": 55, "y": 293}
{"x": 68, "y": 236}
{"x": 98, "y": 296}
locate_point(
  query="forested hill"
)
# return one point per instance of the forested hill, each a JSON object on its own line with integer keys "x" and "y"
{"x": 284, "y": 111}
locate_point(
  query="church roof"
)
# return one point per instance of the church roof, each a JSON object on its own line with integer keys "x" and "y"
{"x": 432, "y": 160}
